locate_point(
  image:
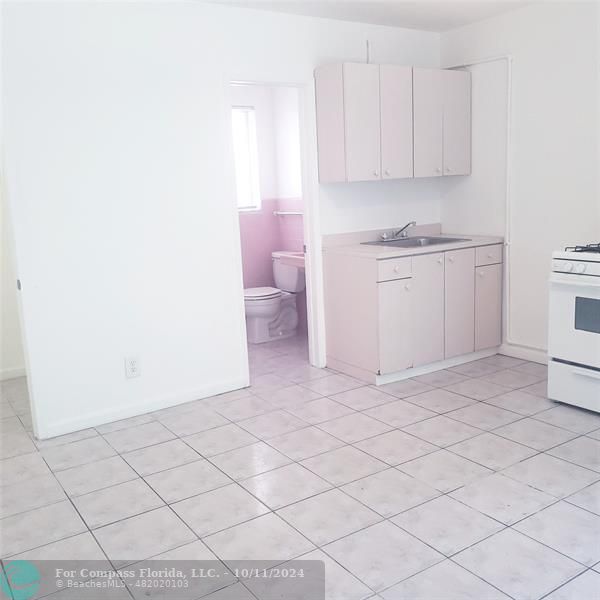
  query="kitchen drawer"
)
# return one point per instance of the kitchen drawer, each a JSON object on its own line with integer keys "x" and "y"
{"x": 488, "y": 255}
{"x": 394, "y": 268}
{"x": 580, "y": 384}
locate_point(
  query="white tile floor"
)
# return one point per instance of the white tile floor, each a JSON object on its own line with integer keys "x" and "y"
{"x": 466, "y": 483}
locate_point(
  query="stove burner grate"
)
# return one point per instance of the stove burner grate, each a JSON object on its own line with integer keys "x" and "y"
{"x": 595, "y": 248}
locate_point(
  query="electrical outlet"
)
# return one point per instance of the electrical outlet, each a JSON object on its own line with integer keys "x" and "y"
{"x": 132, "y": 366}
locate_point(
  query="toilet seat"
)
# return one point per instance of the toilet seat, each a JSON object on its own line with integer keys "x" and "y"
{"x": 261, "y": 293}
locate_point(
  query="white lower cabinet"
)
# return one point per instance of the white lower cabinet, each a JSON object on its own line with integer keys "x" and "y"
{"x": 395, "y": 328}
{"x": 488, "y": 306}
{"x": 428, "y": 308}
{"x": 387, "y": 316}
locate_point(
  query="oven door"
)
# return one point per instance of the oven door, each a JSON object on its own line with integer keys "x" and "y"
{"x": 574, "y": 319}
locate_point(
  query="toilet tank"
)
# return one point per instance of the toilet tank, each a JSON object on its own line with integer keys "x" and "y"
{"x": 288, "y": 278}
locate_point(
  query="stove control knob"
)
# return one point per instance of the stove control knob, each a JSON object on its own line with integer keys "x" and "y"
{"x": 581, "y": 268}
{"x": 568, "y": 267}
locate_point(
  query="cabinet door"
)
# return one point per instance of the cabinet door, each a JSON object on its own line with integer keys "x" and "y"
{"x": 428, "y": 127}
{"x": 395, "y": 339}
{"x": 457, "y": 122}
{"x": 428, "y": 308}
{"x": 459, "y": 295}
{"x": 361, "y": 116}
{"x": 395, "y": 89}
{"x": 488, "y": 306}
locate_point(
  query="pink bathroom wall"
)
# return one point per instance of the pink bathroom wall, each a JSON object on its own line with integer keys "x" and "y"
{"x": 260, "y": 236}
{"x": 291, "y": 227}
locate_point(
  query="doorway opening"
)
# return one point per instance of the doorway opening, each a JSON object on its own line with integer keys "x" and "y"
{"x": 267, "y": 145}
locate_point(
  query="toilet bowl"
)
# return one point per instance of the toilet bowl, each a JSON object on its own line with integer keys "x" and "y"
{"x": 271, "y": 313}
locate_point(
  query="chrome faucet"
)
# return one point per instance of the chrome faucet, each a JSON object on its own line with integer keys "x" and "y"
{"x": 401, "y": 233}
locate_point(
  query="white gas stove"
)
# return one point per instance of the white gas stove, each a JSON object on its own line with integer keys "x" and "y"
{"x": 574, "y": 327}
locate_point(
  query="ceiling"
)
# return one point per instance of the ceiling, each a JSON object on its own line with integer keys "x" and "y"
{"x": 424, "y": 14}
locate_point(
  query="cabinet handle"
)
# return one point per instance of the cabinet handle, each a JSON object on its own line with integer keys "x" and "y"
{"x": 407, "y": 286}
{"x": 490, "y": 256}
{"x": 450, "y": 259}
{"x": 440, "y": 261}
{"x": 448, "y": 170}
{"x": 376, "y": 173}
{"x": 438, "y": 170}
{"x": 480, "y": 273}
{"x": 387, "y": 172}
{"x": 396, "y": 269}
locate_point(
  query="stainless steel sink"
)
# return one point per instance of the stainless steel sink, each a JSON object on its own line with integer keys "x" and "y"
{"x": 415, "y": 242}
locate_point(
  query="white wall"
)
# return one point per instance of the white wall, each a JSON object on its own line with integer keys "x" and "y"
{"x": 553, "y": 154}
{"x": 12, "y": 361}
{"x": 118, "y": 162}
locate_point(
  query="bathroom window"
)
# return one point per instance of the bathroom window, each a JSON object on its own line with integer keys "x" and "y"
{"x": 245, "y": 150}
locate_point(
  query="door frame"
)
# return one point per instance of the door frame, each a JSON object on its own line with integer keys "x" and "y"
{"x": 311, "y": 217}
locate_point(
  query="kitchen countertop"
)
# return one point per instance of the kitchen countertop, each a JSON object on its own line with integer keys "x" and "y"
{"x": 383, "y": 253}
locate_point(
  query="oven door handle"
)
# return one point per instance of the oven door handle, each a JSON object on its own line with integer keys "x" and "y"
{"x": 586, "y": 373}
{"x": 575, "y": 283}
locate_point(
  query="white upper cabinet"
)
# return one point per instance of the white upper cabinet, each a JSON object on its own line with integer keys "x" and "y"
{"x": 457, "y": 122}
{"x": 364, "y": 122}
{"x": 396, "y": 104}
{"x": 442, "y": 122}
{"x": 428, "y": 123}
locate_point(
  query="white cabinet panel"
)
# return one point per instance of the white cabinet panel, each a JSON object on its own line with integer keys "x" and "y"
{"x": 457, "y": 122}
{"x": 428, "y": 308}
{"x": 488, "y": 306}
{"x": 362, "y": 124}
{"x": 428, "y": 122}
{"x": 395, "y": 335}
{"x": 395, "y": 88}
{"x": 459, "y": 302}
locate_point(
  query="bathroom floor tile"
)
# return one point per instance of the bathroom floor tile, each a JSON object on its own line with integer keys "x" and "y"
{"x": 588, "y": 498}
{"x": 116, "y": 503}
{"x": 390, "y": 492}
{"x": 285, "y": 485}
{"x": 395, "y": 447}
{"x": 517, "y": 565}
{"x": 511, "y": 379}
{"x": 328, "y": 516}
{"x": 249, "y": 460}
{"x": 305, "y": 443}
{"x": 503, "y": 362}
{"x": 537, "y": 389}
{"x": 219, "y": 440}
{"x": 187, "y": 480}
{"x": 353, "y": 428}
{"x": 161, "y": 457}
{"x": 533, "y": 368}
{"x": 219, "y": 509}
{"x": 198, "y": 419}
{"x": 503, "y": 499}
{"x": 586, "y": 585}
{"x": 30, "y": 494}
{"x": 440, "y": 378}
{"x": 478, "y": 389}
{"x": 343, "y": 465}
{"x": 333, "y": 384}
{"x": 568, "y": 529}
{"x": 382, "y": 555}
{"x": 443, "y": 470}
{"x": 290, "y": 396}
{"x": 475, "y": 368}
{"x": 447, "y": 525}
{"x": 245, "y": 408}
{"x": 405, "y": 388}
{"x": 21, "y": 468}
{"x": 124, "y": 424}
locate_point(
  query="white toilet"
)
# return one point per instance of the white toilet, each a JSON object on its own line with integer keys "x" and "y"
{"x": 271, "y": 313}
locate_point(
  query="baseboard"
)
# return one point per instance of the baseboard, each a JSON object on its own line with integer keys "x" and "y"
{"x": 437, "y": 366}
{"x": 12, "y": 373}
{"x": 525, "y": 353}
{"x": 100, "y": 418}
